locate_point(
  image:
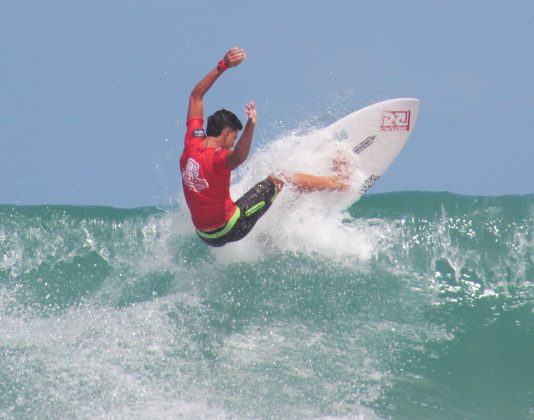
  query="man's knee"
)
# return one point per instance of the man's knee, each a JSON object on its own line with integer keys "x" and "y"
{"x": 278, "y": 182}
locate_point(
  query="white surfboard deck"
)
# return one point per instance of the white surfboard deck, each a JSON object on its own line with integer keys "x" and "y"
{"x": 369, "y": 139}
{"x": 376, "y": 134}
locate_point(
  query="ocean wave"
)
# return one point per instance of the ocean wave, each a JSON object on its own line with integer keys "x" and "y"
{"x": 113, "y": 312}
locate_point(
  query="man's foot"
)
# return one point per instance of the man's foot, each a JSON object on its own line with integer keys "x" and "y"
{"x": 340, "y": 166}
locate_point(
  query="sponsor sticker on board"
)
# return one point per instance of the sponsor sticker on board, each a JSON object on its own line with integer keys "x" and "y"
{"x": 395, "y": 121}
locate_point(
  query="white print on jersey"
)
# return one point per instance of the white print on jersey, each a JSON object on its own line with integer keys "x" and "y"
{"x": 191, "y": 178}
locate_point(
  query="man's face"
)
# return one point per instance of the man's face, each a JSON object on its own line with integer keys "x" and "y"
{"x": 229, "y": 139}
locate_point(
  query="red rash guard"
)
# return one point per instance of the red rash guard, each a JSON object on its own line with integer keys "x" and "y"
{"x": 205, "y": 179}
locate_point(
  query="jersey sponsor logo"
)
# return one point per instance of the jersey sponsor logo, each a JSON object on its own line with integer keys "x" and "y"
{"x": 191, "y": 178}
{"x": 364, "y": 145}
{"x": 199, "y": 132}
{"x": 369, "y": 183}
{"x": 395, "y": 121}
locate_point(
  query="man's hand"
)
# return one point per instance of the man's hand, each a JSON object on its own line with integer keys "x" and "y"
{"x": 234, "y": 57}
{"x": 250, "y": 109}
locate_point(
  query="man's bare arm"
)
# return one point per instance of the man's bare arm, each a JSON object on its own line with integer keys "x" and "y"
{"x": 232, "y": 58}
{"x": 242, "y": 148}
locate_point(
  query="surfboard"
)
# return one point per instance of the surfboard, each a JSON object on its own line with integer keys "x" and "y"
{"x": 375, "y": 134}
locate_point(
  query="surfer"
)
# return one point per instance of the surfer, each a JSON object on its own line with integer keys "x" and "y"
{"x": 209, "y": 156}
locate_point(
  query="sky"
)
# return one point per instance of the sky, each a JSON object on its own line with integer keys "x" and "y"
{"x": 93, "y": 94}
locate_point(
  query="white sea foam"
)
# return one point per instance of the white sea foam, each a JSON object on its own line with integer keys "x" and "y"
{"x": 311, "y": 223}
{"x": 100, "y": 362}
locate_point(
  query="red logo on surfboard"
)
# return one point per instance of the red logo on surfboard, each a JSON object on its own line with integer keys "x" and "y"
{"x": 395, "y": 121}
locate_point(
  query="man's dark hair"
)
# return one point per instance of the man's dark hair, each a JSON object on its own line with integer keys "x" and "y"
{"x": 222, "y": 119}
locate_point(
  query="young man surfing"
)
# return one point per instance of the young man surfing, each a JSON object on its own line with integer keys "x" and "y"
{"x": 210, "y": 156}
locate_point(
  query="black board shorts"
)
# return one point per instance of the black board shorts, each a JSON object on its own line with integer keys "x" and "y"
{"x": 250, "y": 207}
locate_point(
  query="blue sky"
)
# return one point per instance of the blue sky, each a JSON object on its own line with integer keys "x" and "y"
{"x": 93, "y": 94}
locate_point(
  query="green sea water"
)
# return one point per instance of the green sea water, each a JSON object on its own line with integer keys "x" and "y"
{"x": 409, "y": 305}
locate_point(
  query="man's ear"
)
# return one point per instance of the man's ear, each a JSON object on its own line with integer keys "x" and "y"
{"x": 226, "y": 131}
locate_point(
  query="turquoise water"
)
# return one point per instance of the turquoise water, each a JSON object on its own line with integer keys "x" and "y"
{"x": 408, "y": 305}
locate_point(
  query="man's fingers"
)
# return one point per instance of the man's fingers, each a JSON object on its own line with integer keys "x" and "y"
{"x": 235, "y": 56}
{"x": 250, "y": 109}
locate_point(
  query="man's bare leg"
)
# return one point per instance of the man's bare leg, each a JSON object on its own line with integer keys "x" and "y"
{"x": 310, "y": 183}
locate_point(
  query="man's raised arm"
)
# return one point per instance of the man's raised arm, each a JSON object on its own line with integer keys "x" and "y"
{"x": 240, "y": 153}
{"x": 232, "y": 58}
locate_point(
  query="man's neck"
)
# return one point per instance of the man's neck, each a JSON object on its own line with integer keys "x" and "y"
{"x": 214, "y": 142}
